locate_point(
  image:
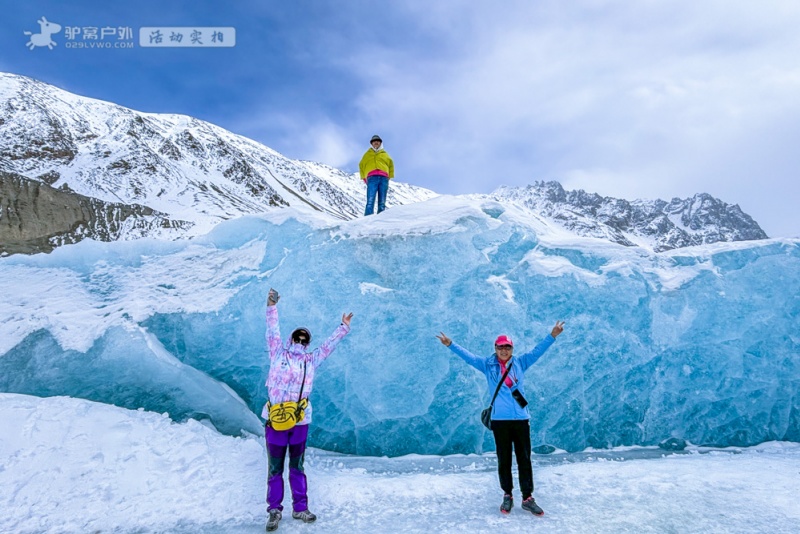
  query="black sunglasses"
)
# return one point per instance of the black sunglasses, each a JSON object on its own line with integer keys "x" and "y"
{"x": 303, "y": 340}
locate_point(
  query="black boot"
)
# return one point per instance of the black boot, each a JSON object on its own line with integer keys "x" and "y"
{"x": 530, "y": 505}
{"x": 508, "y": 504}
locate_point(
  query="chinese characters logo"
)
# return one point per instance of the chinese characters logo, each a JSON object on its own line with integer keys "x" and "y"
{"x": 87, "y": 37}
{"x": 187, "y": 37}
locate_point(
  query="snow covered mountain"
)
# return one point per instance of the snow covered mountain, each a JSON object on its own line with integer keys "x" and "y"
{"x": 192, "y": 174}
{"x": 125, "y": 174}
{"x": 654, "y": 224}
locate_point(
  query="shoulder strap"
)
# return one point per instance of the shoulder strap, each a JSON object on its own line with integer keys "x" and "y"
{"x": 500, "y": 384}
{"x": 303, "y": 383}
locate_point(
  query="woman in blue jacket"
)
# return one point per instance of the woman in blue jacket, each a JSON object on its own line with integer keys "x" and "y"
{"x": 510, "y": 417}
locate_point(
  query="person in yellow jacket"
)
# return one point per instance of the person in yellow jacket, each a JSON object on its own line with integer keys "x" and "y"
{"x": 376, "y": 169}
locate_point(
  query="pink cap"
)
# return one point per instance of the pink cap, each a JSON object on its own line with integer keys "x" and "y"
{"x": 503, "y": 340}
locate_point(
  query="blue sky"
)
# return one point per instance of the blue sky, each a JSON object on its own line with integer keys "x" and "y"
{"x": 652, "y": 99}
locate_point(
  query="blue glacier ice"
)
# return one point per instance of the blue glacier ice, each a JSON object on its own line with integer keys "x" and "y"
{"x": 700, "y": 344}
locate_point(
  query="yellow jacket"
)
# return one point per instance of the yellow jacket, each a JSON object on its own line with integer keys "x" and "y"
{"x": 372, "y": 160}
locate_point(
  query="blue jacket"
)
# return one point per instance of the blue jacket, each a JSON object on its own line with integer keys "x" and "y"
{"x": 505, "y": 407}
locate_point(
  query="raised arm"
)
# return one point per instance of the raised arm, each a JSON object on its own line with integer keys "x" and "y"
{"x": 529, "y": 358}
{"x": 472, "y": 360}
{"x": 325, "y": 350}
{"x": 273, "y": 335}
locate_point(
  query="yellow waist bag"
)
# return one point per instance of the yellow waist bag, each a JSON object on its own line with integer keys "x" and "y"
{"x": 285, "y": 415}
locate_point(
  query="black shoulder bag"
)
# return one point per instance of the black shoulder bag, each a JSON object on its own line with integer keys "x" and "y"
{"x": 486, "y": 415}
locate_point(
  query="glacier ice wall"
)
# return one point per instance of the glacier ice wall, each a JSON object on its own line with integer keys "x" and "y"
{"x": 698, "y": 344}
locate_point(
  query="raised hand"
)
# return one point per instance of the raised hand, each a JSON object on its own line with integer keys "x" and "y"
{"x": 557, "y": 329}
{"x": 273, "y": 297}
{"x": 444, "y": 339}
{"x": 346, "y": 318}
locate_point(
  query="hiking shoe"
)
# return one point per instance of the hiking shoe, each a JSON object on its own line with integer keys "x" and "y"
{"x": 530, "y": 505}
{"x": 508, "y": 504}
{"x": 274, "y": 519}
{"x": 305, "y": 515}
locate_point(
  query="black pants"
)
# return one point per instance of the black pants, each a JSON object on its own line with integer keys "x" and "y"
{"x": 518, "y": 435}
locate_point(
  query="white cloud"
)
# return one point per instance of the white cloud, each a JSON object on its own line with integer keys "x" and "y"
{"x": 653, "y": 99}
{"x": 330, "y": 144}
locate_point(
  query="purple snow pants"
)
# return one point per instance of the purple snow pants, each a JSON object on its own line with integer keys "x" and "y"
{"x": 293, "y": 439}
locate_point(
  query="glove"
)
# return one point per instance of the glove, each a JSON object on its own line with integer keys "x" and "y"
{"x": 273, "y": 297}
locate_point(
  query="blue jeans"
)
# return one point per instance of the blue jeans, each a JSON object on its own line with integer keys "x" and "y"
{"x": 376, "y": 185}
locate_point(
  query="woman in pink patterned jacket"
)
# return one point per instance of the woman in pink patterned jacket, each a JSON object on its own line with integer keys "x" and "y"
{"x": 287, "y": 366}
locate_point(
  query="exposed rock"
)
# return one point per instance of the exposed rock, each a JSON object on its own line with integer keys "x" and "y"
{"x": 116, "y": 162}
{"x": 663, "y": 225}
{"x": 673, "y": 444}
{"x": 35, "y": 217}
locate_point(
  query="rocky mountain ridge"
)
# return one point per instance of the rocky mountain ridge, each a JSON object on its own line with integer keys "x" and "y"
{"x": 38, "y": 218}
{"x": 73, "y": 167}
{"x": 190, "y": 173}
{"x": 655, "y": 224}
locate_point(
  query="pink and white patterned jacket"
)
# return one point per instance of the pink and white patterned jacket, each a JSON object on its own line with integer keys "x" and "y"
{"x": 286, "y": 364}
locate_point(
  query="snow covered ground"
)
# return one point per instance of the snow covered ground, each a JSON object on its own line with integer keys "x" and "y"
{"x": 69, "y": 465}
